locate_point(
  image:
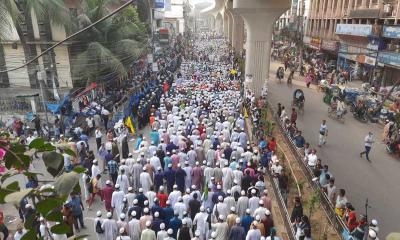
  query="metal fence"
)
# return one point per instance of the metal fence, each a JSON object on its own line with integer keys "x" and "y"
{"x": 326, "y": 204}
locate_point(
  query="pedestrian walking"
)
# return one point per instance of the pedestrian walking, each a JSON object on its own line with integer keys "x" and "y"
{"x": 368, "y": 141}
{"x": 323, "y": 133}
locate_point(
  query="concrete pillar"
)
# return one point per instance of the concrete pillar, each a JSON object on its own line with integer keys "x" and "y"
{"x": 259, "y": 17}
{"x": 238, "y": 33}
{"x": 225, "y": 24}
{"x": 219, "y": 24}
{"x": 230, "y": 26}
{"x": 363, "y": 3}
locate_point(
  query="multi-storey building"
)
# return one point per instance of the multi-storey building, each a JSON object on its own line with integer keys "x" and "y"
{"x": 362, "y": 35}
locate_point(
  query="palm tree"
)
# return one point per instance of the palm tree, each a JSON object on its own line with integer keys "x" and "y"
{"x": 17, "y": 14}
{"x": 110, "y": 47}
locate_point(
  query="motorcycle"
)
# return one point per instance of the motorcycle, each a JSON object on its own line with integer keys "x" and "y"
{"x": 360, "y": 115}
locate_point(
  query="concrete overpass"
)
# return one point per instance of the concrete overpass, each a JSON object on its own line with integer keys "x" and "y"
{"x": 259, "y": 17}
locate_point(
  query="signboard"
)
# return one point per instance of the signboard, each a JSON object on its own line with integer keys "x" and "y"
{"x": 391, "y": 31}
{"x": 354, "y": 29}
{"x": 154, "y": 67}
{"x": 330, "y": 45}
{"x": 159, "y": 4}
{"x": 391, "y": 58}
{"x": 158, "y": 14}
{"x": 315, "y": 43}
{"x": 150, "y": 58}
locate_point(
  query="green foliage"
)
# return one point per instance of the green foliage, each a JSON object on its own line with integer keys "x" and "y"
{"x": 47, "y": 202}
{"x": 313, "y": 202}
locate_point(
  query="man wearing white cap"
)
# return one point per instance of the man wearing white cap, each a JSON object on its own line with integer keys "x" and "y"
{"x": 122, "y": 223}
{"x": 136, "y": 171}
{"x": 123, "y": 235}
{"x": 145, "y": 180}
{"x": 134, "y": 227}
{"x": 192, "y": 156}
{"x": 188, "y": 178}
{"x": 117, "y": 200}
{"x": 242, "y": 204}
{"x": 221, "y": 228}
{"x": 95, "y": 168}
{"x": 253, "y": 201}
{"x": 180, "y": 207}
{"x": 237, "y": 231}
{"x": 146, "y": 217}
{"x": 208, "y": 173}
{"x": 109, "y": 227}
{"x": 195, "y": 190}
{"x": 155, "y": 161}
{"x": 229, "y": 200}
{"x": 98, "y": 221}
{"x": 231, "y": 218}
{"x": 260, "y": 211}
{"x": 162, "y": 234}
{"x": 123, "y": 180}
{"x": 148, "y": 234}
{"x": 200, "y": 221}
{"x": 174, "y": 195}
{"x": 130, "y": 196}
{"x": 184, "y": 232}
{"x": 227, "y": 179}
{"x": 220, "y": 208}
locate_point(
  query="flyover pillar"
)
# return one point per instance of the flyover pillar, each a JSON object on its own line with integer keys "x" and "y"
{"x": 229, "y": 10}
{"x": 225, "y": 23}
{"x": 259, "y": 17}
{"x": 237, "y": 33}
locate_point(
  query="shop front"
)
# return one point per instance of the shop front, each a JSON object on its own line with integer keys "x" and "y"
{"x": 391, "y": 63}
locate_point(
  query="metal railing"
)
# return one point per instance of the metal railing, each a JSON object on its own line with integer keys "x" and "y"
{"x": 326, "y": 204}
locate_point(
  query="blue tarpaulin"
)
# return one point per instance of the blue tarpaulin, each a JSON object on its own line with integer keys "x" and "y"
{"x": 55, "y": 107}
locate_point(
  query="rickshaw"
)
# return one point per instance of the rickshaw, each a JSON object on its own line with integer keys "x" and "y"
{"x": 298, "y": 99}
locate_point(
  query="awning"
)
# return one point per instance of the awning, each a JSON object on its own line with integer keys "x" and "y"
{"x": 91, "y": 87}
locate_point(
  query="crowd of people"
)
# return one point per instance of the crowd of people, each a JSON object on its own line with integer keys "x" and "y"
{"x": 358, "y": 226}
{"x": 195, "y": 175}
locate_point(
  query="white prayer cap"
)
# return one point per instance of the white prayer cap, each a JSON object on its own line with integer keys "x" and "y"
{"x": 130, "y": 189}
{"x": 148, "y": 160}
{"x": 219, "y": 186}
{"x": 226, "y": 163}
{"x": 162, "y": 226}
{"x": 122, "y": 216}
{"x": 233, "y": 209}
{"x": 184, "y": 221}
{"x": 242, "y": 193}
{"x": 248, "y": 211}
{"x": 146, "y": 210}
{"x": 146, "y": 202}
{"x": 124, "y": 199}
{"x": 133, "y": 213}
{"x": 121, "y": 230}
{"x": 135, "y": 201}
{"x": 258, "y": 218}
{"x": 193, "y": 186}
{"x": 197, "y": 163}
{"x": 138, "y": 160}
{"x": 179, "y": 165}
{"x": 95, "y": 161}
{"x": 109, "y": 215}
{"x": 108, "y": 182}
{"x": 148, "y": 223}
{"x": 186, "y": 162}
{"x": 235, "y": 181}
{"x": 213, "y": 234}
{"x": 159, "y": 168}
{"x": 374, "y": 222}
{"x": 161, "y": 188}
{"x": 156, "y": 214}
{"x": 187, "y": 190}
{"x": 237, "y": 220}
{"x": 173, "y": 151}
{"x": 228, "y": 191}
{"x": 117, "y": 186}
{"x": 175, "y": 186}
{"x": 122, "y": 161}
{"x": 140, "y": 190}
{"x": 261, "y": 202}
{"x": 267, "y": 212}
{"x": 144, "y": 168}
{"x": 170, "y": 231}
{"x": 202, "y": 209}
{"x": 98, "y": 213}
{"x": 197, "y": 233}
{"x": 265, "y": 191}
{"x": 221, "y": 217}
{"x": 41, "y": 219}
{"x": 168, "y": 202}
{"x": 253, "y": 191}
{"x": 220, "y": 198}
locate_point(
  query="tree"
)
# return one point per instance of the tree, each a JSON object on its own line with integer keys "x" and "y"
{"x": 47, "y": 201}
{"x": 108, "y": 49}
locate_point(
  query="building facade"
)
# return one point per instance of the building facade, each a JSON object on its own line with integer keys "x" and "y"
{"x": 360, "y": 35}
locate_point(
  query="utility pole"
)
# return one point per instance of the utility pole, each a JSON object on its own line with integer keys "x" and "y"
{"x": 41, "y": 83}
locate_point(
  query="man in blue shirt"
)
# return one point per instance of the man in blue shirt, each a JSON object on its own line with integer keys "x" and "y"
{"x": 175, "y": 224}
{"x": 299, "y": 140}
{"x": 247, "y": 220}
{"x": 155, "y": 137}
{"x": 76, "y": 206}
{"x": 113, "y": 170}
{"x": 168, "y": 214}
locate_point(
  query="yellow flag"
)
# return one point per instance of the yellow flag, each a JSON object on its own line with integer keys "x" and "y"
{"x": 129, "y": 124}
{"x": 245, "y": 113}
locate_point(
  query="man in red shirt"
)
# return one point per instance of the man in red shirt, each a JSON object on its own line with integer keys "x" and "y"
{"x": 293, "y": 116}
{"x": 107, "y": 195}
{"x": 272, "y": 144}
{"x": 162, "y": 197}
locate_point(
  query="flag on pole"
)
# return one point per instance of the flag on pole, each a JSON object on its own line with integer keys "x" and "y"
{"x": 129, "y": 124}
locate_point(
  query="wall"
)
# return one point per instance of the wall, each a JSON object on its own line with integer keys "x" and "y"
{"x": 15, "y": 58}
{"x": 63, "y": 66}
{"x": 57, "y": 32}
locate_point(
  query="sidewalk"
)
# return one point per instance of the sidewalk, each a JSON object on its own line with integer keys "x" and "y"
{"x": 300, "y": 80}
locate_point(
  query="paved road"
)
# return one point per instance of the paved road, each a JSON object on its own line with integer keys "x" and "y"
{"x": 378, "y": 181}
